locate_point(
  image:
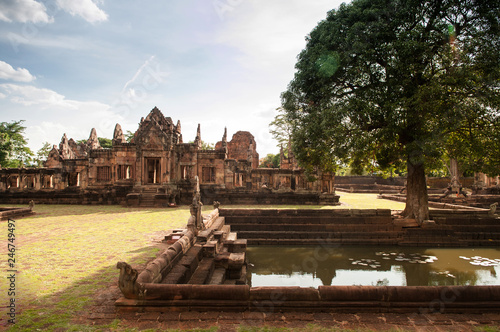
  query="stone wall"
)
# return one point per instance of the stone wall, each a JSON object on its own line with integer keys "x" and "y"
{"x": 394, "y": 181}
{"x": 243, "y": 147}
{"x": 342, "y": 299}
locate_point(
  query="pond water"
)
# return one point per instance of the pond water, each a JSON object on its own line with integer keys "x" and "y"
{"x": 372, "y": 266}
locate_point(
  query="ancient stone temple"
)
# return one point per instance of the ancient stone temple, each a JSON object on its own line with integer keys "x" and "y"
{"x": 156, "y": 168}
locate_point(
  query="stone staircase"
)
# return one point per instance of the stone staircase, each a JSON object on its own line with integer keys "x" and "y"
{"x": 148, "y": 196}
{"x": 362, "y": 227}
{"x": 314, "y": 227}
{"x": 474, "y": 228}
{"x": 217, "y": 258}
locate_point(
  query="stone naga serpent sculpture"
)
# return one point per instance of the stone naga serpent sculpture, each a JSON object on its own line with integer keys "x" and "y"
{"x": 127, "y": 280}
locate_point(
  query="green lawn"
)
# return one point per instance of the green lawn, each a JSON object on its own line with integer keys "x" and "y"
{"x": 67, "y": 253}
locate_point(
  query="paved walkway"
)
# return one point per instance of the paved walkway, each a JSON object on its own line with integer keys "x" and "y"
{"x": 104, "y": 312}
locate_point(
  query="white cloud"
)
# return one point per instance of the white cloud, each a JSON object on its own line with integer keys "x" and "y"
{"x": 46, "y": 131}
{"x": 23, "y": 11}
{"x": 7, "y": 72}
{"x": 49, "y": 114}
{"x": 87, "y": 9}
{"x": 272, "y": 32}
{"x": 29, "y": 95}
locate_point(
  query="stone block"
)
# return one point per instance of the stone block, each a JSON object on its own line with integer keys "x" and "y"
{"x": 236, "y": 246}
{"x": 218, "y": 277}
{"x": 280, "y": 294}
{"x": 243, "y": 279}
{"x": 218, "y": 235}
{"x": 222, "y": 260}
{"x": 233, "y": 274}
{"x": 236, "y": 260}
{"x": 232, "y": 236}
{"x": 190, "y": 261}
{"x": 210, "y": 249}
{"x": 203, "y": 272}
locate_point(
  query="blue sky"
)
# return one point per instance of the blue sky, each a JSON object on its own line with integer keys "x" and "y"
{"x": 67, "y": 66}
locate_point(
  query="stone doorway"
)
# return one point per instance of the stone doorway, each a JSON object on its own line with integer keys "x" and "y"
{"x": 152, "y": 170}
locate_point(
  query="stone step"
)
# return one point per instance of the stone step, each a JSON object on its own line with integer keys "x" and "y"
{"x": 471, "y": 221}
{"x": 314, "y": 227}
{"x": 478, "y": 235}
{"x": 323, "y": 242}
{"x": 318, "y": 235}
{"x": 203, "y": 273}
{"x": 178, "y": 275}
{"x": 218, "y": 277}
{"x": 232, "y": 236}
{"x": 234, "y": 220}
{"x": 482, "y": 243}
{"x": 304, "y": 213}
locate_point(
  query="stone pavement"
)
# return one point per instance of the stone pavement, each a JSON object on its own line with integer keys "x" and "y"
{"x": 104, "y": 312}
{"x": 227, "y": 321}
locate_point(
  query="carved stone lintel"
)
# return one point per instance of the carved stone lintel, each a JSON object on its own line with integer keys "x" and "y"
{"x": 127, "y": 280}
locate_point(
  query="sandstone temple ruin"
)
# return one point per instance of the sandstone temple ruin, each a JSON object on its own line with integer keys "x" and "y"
{"x": 158, "y": 169}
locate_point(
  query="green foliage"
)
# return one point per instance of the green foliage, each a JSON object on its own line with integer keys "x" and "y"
{"x": 205, "y": 145}
{"x": 384, "y": 82}
{"x": 270, "y": 161}
{"x": 13, "y": 149}
{"x": 281, "y": 127}
{"x": 105, "y": 143}
{"x": 42, "y": 154}
{"x": 129, "y": 135}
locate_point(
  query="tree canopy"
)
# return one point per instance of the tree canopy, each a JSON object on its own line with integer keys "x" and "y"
{"x": 105, "y": 143}
{"x": 281, "y": 128}
{"x": 403, "y": 83}
{"x": 13, "y": 149}
{"x": 270, "y": 161}
{"x": 42, "y": 154}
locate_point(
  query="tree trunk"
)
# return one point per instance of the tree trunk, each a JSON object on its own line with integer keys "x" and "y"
{"x": 417, "y": 203}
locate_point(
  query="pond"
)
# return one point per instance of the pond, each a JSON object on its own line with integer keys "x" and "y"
{"x": 372, "y": 266}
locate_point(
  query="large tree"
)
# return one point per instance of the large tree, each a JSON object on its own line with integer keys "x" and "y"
{"x": 13, "y": 149}
{"x": 400, "y": 81}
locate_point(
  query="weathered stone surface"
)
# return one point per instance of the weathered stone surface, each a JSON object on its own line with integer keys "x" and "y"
{"x": 157, "y": 169}
{"x": 118, "y": 136}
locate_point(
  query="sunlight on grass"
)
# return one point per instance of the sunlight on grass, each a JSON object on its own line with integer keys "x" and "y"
{"x": 367, "y": 201}
{"x": 347, "y": 200}
{"x": 58, "y": 249}
{"x": 64, "y": 245}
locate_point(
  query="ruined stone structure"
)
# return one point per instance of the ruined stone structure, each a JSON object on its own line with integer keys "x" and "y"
{"x": 158, "y": 169}
{"x": 208, "y": 271}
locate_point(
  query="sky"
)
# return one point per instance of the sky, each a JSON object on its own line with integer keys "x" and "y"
{"x": 67, "y": 66}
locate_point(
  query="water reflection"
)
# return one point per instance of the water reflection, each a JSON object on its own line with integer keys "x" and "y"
{"x": 392, "y": 266}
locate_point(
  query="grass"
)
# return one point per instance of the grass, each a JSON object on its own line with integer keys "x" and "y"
{"x": 347, "y": 200}
{"x": 66, "y": 254}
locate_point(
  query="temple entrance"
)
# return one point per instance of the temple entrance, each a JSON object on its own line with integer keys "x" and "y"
{"x": 152, "y": 170}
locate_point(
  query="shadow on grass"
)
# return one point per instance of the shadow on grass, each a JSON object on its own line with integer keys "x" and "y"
{"x": 74, "y": 308}
{"x": 57, "y": 210}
